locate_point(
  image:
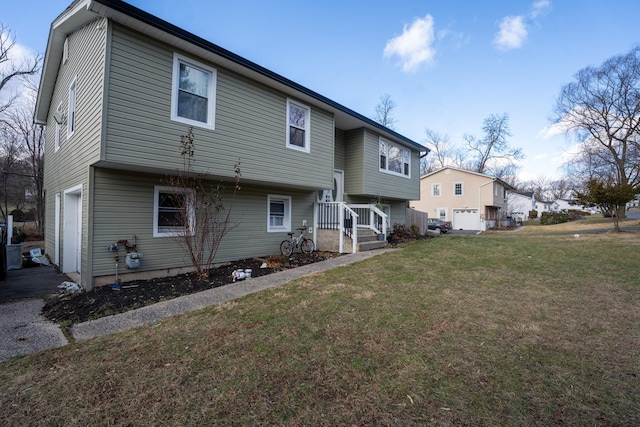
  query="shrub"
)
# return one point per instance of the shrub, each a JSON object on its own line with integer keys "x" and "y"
{"x": 533, "y": 214}
{"x": 414, "y": 231}
{"x": 550, "y": 218}
{"x": 400, "y": 231}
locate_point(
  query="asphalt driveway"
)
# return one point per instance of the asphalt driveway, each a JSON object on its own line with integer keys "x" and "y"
{"x": 23, "y": 330}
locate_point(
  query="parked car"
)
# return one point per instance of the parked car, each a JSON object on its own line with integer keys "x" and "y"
{"x": 438, "y": 224}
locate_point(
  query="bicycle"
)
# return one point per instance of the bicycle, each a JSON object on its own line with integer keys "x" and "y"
{"x": 305, "y": 245}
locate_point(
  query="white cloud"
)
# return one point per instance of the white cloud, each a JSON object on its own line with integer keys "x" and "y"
{"x": 514, "y": 30}
{"x": 414, "y": 47}
{"x": 560, "y": 127}
{"x": 513, "y": 33}
{"x": 539, "y": 7}
{"x": 551, "y": 131}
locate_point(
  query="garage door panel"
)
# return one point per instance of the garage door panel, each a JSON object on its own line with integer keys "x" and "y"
{"x": 466, "y": 219}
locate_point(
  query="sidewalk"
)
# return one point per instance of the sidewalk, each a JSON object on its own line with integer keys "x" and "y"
{"x": 24, "y": 330}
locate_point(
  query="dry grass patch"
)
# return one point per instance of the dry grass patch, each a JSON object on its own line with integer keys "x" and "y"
{"x": 595, "y": 222}
{"x": 494, "y": 330}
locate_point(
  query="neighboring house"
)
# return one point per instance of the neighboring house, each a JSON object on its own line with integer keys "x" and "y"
{"x": 568, "y": 205}
{"x": 543, "y": 206}
{"x": 118, "y": 89}
{"x": 520, "y": 204}
{"x": 563, "y": 205}
{"x": 470, "y": 200}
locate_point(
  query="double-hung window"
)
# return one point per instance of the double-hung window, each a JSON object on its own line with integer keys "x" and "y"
{"x": 435, "y": 190}
{"x": 193, "y": 98}
{"x": 173, "y": 212}
{"x": 457, "y": 189}
{"x": 298, "y": 121}
{"x": 394, "y": 159}
{"x": 278, "y": 213}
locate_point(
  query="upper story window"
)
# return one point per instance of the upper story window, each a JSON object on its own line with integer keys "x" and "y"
{"x": 435, "y": 190}
{"x": 394, "y": 159}
{"x": 193, "y": 97}
{"x": 457, "y": 189}
{"x": 298, "y": 120}
{"x": 71, "y": 109}
{"x": 172, "y": 211}
{"x": 278, "y": 213}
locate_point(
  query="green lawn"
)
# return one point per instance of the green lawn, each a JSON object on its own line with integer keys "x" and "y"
{"x": 502, "y": 329}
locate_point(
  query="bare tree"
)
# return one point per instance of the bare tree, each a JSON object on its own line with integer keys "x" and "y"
{"x": 12, "y": 67}
{"x": 204, "y": 213}
{"x": 14, "y": 172}
{"x": 384, "y": 111}
{"x": 602, "y": 108}
{"x": 30, "y": 140}
{"x": 539, "y": 186}
{"x": 492, "y": 153}
{"x": 560, "y": 188}
{"x": 441, "y": 151}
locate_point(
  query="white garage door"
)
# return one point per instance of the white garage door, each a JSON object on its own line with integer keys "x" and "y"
{"x": 466, "y": 219}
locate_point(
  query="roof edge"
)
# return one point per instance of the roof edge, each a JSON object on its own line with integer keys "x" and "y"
{"x": 89, "y": 9}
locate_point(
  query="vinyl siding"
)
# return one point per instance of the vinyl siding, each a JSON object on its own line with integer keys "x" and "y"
{"x": 250, "y": 122}
{"x": 68, "y": 167}
{"x": 339, "y": 153}
{"x": 354, "y": 162}
{"x": 384, "y": 184}
{"x": 362, "y": 174}
{"x": 124, "y": 208}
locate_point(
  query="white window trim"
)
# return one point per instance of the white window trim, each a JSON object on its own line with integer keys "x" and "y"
{"x": 211, "y": 92}
{"x": 156, "y": 200}
{"x": 286, "y": 227}
{"x": 445, "y": 210}
{"x": 72, "y": 118}
{"x": 433, "y": 186}
{"x": 461, "y": 189}
{"x": 403, "y": 149}
{"x": 58, "y": 129}
{"x": 307, "y": 127}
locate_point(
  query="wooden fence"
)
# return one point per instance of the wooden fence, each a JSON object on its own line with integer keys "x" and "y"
{"x": 418, "y": 218}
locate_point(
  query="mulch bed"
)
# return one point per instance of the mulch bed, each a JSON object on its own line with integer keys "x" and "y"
{"x": 104, "y": 301}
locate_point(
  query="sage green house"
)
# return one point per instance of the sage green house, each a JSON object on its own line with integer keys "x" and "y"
{"x": 119, "y": 88}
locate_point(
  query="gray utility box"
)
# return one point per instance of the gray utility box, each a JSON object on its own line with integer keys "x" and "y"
{"x": 14, "y": 257}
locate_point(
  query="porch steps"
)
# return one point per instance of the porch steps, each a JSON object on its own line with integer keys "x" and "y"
{"x": 368, "y": 240}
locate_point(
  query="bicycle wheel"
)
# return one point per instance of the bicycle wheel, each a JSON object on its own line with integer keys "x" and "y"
{"x": 286, "y": 247}
{"x": 307, "y": 246}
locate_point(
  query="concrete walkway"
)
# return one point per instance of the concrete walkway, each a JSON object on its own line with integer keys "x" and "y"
{"x": 24, "y": 330}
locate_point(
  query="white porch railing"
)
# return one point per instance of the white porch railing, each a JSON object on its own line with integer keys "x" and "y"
{"x": 371, "y": 217}
{"x": 348, "y": 219}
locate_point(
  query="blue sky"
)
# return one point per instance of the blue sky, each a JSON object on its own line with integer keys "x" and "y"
{"x": 447, "y": 65}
